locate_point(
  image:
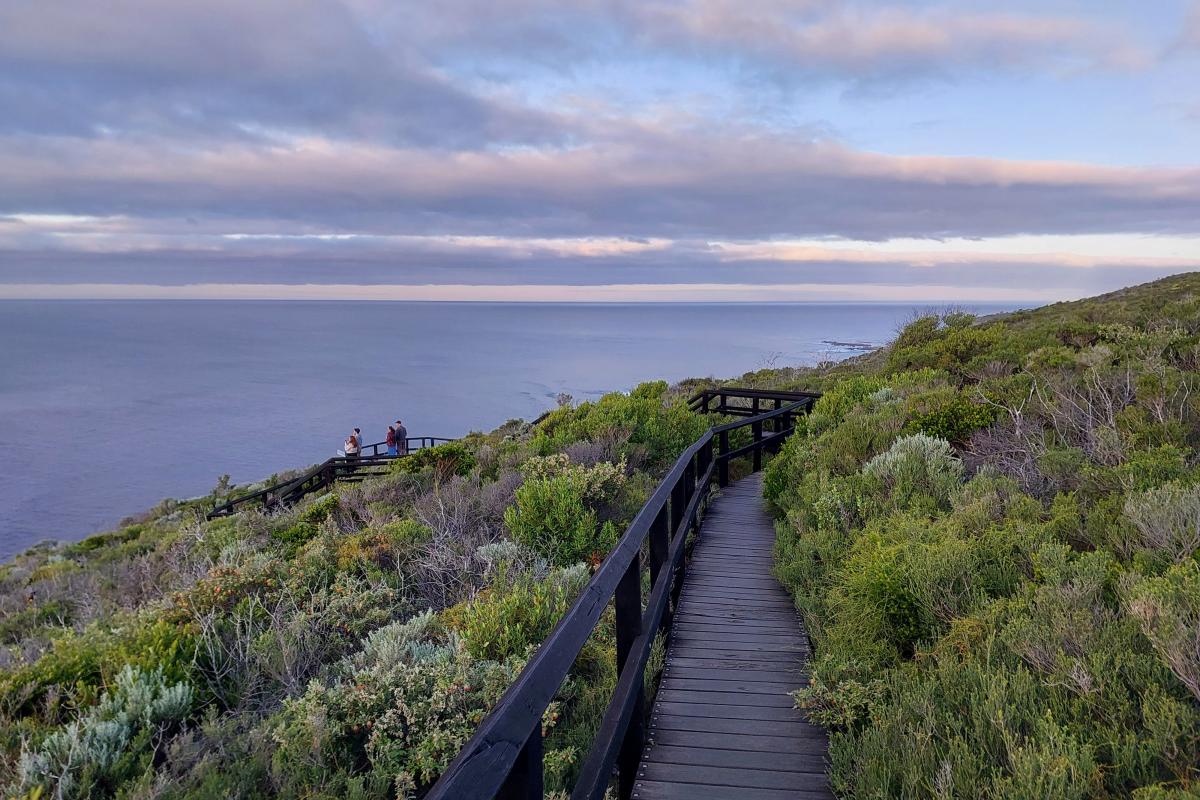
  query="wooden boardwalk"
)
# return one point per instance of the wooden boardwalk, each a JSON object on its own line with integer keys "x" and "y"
{"x": 723, "y": 724}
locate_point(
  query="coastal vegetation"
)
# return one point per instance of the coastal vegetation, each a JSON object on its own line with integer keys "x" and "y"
{"x": 991, "y": 527}
{"x": 345, "y": 647}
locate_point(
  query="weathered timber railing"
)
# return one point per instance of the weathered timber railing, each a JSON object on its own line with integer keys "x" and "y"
{"x": 328, "y": 472}
{"x": 739, "y": 402}
{"x": 504, "y": 757}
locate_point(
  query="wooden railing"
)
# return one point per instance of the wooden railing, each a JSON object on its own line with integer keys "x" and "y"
{"x": 504, "y": 757}
{"x": 338, "y": 468}
{"x": 737, "y": 402}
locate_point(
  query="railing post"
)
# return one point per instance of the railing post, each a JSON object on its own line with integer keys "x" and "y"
{"x": 723, "y": 462}
{"x": 724, "y": 404}
{"x": 525, "y": 781}
{"x": 756, "y": 427}
{"x": 660, "y": 542}
{"x": 678, "y": 501}
{"x": 628, "y": 602}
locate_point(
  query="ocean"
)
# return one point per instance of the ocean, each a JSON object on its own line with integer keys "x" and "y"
{"x": 107, "y": 407}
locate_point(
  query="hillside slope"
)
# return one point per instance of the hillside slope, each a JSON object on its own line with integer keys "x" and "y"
{"x": 993, "y": 530}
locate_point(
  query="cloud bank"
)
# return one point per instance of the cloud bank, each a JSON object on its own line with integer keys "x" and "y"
{"x": 592, "y": 143}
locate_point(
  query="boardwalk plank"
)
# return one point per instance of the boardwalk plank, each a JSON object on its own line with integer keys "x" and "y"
{"x": 724, "y": 724}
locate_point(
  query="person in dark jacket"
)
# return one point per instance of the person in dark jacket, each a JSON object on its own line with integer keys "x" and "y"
{"x": 401, "y": 438}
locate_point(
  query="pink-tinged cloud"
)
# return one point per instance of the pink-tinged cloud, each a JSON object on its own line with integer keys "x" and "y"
{"x": 892, "y": 41}
{"x": 638, "y": 182}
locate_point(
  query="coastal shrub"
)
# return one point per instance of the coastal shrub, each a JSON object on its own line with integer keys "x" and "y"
{"x": 653, "y": 428}
{"x": 552, "y": 517}
{"x": 516, "y": 613}
{"x": 80, "y": 665}
{"x": 945, "y": 414}
{"x": 109, "y": 743}
{"x": 451, "y": 458}
{"x": 1168, "y": 519}
{"x": 1168, "y": 610}
{"x": 947, "y": 344}
{"x": 601, "y": 482}
{"x": 917, "y": 472}
{"x": 392, "y": 717}
{"x": 296, "y": 534}
{"x": 319, "y": 509}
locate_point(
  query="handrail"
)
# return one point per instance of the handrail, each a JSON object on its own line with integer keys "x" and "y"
{"x": 503, "y": 759}
{"x": 324, "y": 474}
{"x": 701, "y": 401}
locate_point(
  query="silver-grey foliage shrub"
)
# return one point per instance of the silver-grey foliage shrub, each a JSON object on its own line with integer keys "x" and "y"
{"x": 1168, "y": 519}
{"x": 917, "y": 468}
{"x": 140, "y": 701}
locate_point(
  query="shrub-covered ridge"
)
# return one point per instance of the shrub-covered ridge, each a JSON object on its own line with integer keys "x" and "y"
{"x": 991, "y": 529}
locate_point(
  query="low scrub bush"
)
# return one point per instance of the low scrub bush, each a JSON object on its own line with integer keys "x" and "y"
{"x": 392, "y": 718}
{"x": 451, "y": 458}
{"x": 1168, "y": 519}
{"x": 553, "y": 516}
{"x": 517, "y": 613}
{"x": 114, "y": 741}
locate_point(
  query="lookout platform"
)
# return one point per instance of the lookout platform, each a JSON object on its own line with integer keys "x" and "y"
{"x": 723, "y": 724}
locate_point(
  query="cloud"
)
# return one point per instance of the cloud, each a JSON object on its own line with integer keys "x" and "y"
{"x": 246, "y": 70}
{"x": 1191, "y": 30}
{"x": 635, "y": 181}
{"x": 449, "y": 74}
{"x": 532, "y": 142}
{"x": 887, "y": 42}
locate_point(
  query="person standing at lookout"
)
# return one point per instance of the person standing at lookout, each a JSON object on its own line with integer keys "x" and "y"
{"x": 353, "y": 445}
{"x": 391, "y": 441}
{"x": 401, "y": 438}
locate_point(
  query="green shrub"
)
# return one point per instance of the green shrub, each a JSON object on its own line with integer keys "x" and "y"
{"x": 1168, "y": 519}
{"x": 918, "y": 472}
{"x": 296, "y": 534}
{"x": 392, "y": 718}
{"x": 515, "y": 614}
{"x": 110, "y": 743}
{"x": 82, "y": 664}
{"x": 320, "y": 509}
{"x": 656, "y": 430}
{"x": 1168, "y": 610}
{"x": 552, "y": 517}
{"x": 451, "y": 458}
{"x": 946, "y": 414}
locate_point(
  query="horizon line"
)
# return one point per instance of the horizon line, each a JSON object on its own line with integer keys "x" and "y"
{"x": 630, "y": 293}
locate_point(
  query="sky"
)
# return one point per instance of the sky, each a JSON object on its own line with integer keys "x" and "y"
{"x": 608, "y": 150}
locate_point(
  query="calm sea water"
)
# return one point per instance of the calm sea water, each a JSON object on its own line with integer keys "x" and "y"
{"x": 107, "y": 407}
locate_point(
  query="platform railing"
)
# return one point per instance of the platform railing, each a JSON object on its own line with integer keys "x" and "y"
{"x": 325, "y": 474}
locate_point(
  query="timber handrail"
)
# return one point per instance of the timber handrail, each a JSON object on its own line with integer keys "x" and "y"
{"x": 325, "y": 474}
{"x": 742, "y": 402}
{"x": 503, "y": 759}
